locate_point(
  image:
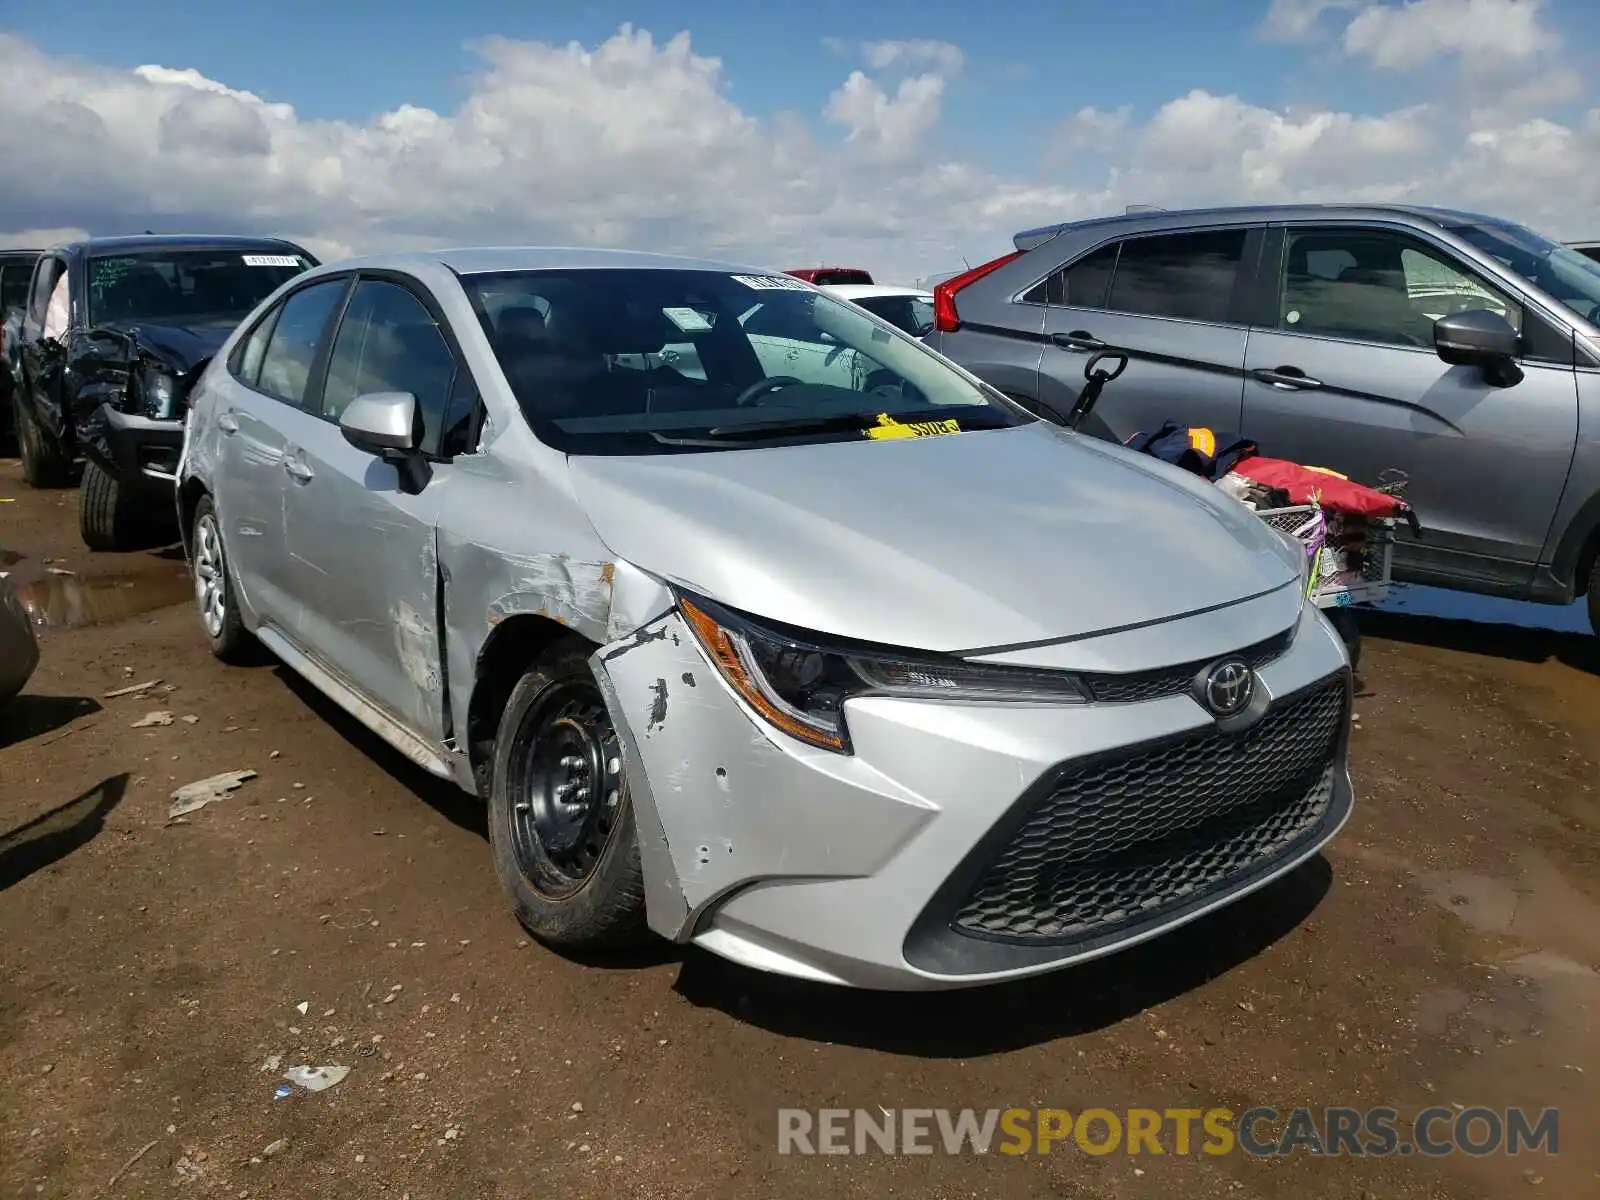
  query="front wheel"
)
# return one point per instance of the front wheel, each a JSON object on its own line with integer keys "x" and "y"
{"x": 561, "y": 822}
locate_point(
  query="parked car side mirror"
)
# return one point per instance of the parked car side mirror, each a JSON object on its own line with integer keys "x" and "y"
{"x": 1480, "y": 338}
{"x": 382, "y": 423}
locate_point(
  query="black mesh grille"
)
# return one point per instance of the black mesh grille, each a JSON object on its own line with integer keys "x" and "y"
{"x": 1134, "y": 687}
{"x": 1120, "y": 840}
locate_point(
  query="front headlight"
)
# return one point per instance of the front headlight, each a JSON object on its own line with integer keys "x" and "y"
{"x": 799, "y": 684}
{"x": 159, "y": 392}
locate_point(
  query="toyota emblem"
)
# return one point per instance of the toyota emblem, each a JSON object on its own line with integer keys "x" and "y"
{"x": 1228, "y": 687}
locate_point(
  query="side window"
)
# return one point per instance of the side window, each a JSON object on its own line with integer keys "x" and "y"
{"x": 45, "y": 276}
{"x": 1083, "y": 284}
{"x": 292, "y": 344}
{"x": 389, "y": 342}
{"x": 1187, "y": 276}
{"x": 1376, "y": 285}
{"x": 13, "y": 288}
{"x": 246, "y": 361}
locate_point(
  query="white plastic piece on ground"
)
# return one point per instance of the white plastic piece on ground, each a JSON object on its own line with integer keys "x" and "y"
{"x": 192, "y": 796}
{"x": 316, "y": 1079}
{"x": 152, "y": 719}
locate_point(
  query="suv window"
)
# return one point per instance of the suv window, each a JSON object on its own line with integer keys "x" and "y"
{"x": 1189, "y": 276}
{"x": 292, "y": 345}
{"x": 14, "y": 287}
{"x": 1185, "y": 276}
{"x": 388, "y": 341}
{"x": 1377, "y": 285}
{"x": 1083, "y": 284}
{"x": 45, "y": 275}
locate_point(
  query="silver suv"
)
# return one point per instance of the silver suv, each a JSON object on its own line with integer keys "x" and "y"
{"x": 1460, "y": 349}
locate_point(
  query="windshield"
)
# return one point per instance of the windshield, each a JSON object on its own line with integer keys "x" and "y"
{"x": 174, "y": 287}
{"x": 633, "y": 361}
{"x": 914, "y": 314}
{"x": 1560, "y": 272}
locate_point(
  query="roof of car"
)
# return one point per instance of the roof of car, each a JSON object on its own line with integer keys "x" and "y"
{"x": 1154, "y": 219}
{"x": 134, "y": 243}
{"x": 481, "y": 260}
{"x": 856, "y": 291}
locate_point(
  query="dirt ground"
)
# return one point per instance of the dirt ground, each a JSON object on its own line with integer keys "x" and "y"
{"x": 340, "y": 908}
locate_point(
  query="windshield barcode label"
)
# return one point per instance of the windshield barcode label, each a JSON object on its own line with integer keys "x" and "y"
{"x": 271, "y": 260}
{"x": 772, "y": 283}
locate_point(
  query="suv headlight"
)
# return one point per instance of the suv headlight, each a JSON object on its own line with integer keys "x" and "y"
{"x": 799, "y": 684}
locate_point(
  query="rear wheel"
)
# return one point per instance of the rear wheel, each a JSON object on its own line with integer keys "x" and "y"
{"x": 561, "y": 822}
{"x": 1348, "y": 628}
{"x": 44, "y": 463}
{"x": 213, "y": 590}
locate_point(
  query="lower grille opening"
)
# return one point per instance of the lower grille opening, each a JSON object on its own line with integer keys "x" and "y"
{"x": 1124, "y": 839}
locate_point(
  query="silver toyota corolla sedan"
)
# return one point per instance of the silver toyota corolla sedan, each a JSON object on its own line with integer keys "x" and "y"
{"x": 757, "y": 623}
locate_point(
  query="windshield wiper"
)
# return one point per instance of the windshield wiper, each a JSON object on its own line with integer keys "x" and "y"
{"x": 754, "y": 431}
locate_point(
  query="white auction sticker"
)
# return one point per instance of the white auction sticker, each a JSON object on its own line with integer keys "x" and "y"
{"x": 687, "y": 319}
{"x": 772, "y": 283}
{"x": 271, "y": 260}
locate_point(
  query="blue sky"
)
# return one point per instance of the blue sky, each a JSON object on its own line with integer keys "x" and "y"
{"x": 1058, "y": 110}
{"x": 1030, "y": 62}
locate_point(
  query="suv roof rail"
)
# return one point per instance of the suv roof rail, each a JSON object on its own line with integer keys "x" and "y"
{"x": 1139, "y": 208}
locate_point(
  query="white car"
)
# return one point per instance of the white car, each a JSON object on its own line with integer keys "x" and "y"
{"x": 907, "y": 308}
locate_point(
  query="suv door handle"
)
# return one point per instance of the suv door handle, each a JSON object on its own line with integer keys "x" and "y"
{"x": 296, "y": 469}
{"x": 228, "y": 423}
{"x": 1288, "y": 379}
{"x": 1080, "y": 340}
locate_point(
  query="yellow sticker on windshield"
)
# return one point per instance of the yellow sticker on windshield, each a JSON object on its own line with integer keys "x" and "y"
{"x": 888, "y": 427}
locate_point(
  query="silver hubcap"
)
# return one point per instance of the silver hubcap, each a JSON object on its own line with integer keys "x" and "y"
{"x": 210, "y": 590}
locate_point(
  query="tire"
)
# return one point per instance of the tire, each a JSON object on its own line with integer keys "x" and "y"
{"x": 1348, "y": 628}
{"x": 44, "y": 464}
{"x": 214, "y": 592}
{"x": 573, "y": 872}
{"x": 108, "y": 518}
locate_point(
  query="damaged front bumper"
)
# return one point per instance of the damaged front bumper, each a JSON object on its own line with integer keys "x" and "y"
{"x": 965, "y": 843}
{"x": 140, "y": 452}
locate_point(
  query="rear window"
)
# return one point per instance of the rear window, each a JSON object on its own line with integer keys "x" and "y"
{"x": 840, "y": 276}
{"x": 185, "y": 286}
{"x": 910, "y": 313}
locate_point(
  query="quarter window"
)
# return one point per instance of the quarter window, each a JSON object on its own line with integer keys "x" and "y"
{"x": 1083, "y": 284}
{"x": 292, "y": 345}
{"x": 1375, "y": 285}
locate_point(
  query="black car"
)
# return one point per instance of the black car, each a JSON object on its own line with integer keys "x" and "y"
{"x": 115, "y": 332}
{"x": 16, "y": 270}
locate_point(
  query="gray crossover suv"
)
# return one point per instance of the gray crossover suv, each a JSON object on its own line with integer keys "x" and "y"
{"x": 1459, "y": 349}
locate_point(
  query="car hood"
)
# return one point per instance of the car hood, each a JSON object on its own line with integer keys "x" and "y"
{"x": 180, "y": 347}
{"x": 952, "y": 543}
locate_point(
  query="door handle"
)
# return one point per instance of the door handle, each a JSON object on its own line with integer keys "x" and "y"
{"x": 228, "y": 423}
{"x": 1287, "y": 379}
{"x": 296, "y": 469}
{"x": 1078, "y": 340}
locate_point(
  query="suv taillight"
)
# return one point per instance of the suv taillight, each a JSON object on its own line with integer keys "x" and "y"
{"x": 945, "y": 318}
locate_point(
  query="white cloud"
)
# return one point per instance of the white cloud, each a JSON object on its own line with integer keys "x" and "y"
{"x": 638, "y": 141}
{"x": 1481, "y": 33}
{"x": 1300, "y": 20}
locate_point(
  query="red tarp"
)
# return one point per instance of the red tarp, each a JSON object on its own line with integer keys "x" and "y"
{"x": 1307, "y": 485}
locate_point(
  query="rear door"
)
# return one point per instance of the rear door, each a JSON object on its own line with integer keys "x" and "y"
{"x": 256, "y": 418}
{"x": 1341, "y": 372}
{"x": 1176, "y": 303}
{"x": 364, "y": 564}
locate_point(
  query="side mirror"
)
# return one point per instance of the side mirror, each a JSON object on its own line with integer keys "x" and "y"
{"x": 382, "y": 423}
{"x": 1475, "y": 338}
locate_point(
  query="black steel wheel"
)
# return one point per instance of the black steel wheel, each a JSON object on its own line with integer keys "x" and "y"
{"x": 561, "y": 819}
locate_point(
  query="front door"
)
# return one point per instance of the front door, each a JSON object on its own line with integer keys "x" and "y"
{"x": 1347, "y": 378}
{"x": 1172, "y": 302}
{"x": 364, "y": 551}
